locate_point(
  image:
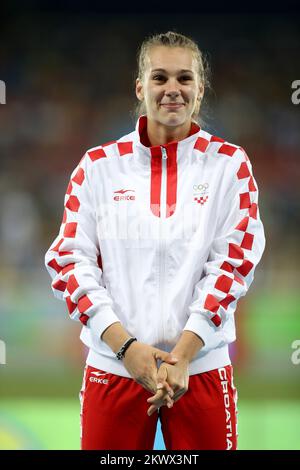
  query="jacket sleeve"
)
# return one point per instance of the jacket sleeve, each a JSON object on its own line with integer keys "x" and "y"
{"x": 234, "y": 253}
{"x": 74, "y": 260}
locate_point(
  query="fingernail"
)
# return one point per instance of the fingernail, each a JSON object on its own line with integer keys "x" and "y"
{"x": 159, "y": 385}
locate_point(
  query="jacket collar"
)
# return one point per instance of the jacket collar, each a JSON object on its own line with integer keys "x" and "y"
{"x": 146, "y": 151}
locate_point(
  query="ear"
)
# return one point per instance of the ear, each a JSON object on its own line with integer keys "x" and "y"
{"x": 139, "y": 89}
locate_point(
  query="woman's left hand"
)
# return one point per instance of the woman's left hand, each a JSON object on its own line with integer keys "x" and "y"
{"x": 175, "y": 377}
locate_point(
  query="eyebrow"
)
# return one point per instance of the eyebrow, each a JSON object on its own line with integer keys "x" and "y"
{"x": 180, "y": 71}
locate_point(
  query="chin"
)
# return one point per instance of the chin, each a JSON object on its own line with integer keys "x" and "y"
{"x": 174, "y": 121}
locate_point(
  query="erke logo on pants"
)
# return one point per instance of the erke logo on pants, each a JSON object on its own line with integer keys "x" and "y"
{"x": 97, "y": 379}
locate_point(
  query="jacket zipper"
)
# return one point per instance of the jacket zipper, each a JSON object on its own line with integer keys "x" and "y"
{"x": 162, "y": 249}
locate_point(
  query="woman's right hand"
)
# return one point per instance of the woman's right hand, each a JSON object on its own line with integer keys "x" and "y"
{"x": 140, "y": 361}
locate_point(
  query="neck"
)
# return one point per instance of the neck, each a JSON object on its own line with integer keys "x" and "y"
{"x": 160, "y": 134}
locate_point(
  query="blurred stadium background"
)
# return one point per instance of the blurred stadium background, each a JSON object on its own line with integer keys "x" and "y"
{"x": 70, "y": 86}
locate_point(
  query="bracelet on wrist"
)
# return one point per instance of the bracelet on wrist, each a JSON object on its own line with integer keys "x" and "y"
{"x": 120, "y": 354}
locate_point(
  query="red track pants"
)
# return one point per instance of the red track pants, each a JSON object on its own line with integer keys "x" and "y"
{"x": 114, "y": 413}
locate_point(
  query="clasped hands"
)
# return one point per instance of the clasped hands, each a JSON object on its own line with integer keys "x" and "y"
{"x": 168, "y": 383}
{"x": 172, "y": 384}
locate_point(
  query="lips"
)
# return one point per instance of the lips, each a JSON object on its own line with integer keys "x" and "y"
{"x": 172, "y": 105}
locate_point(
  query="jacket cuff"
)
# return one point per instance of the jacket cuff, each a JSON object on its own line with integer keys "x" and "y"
{"x": 201, "y": 326}
{"x": 102, "y": 320}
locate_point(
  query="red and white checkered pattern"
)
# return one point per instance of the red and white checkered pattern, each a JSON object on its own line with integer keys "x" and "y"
{"x": 204, "y": 145}
{"x": 122, "y": 148}
{"x": 201, "y": 199}
{"x": 76, "y": 279}
{"x": 228, "y": 273}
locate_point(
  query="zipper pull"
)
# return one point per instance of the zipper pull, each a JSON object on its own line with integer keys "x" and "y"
{"x": 164, "y": 153}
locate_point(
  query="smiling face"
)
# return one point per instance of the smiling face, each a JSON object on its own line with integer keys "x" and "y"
{"x": 170, "y": 87}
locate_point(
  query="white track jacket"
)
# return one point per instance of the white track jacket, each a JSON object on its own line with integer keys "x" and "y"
{"x": 162, "y": 239}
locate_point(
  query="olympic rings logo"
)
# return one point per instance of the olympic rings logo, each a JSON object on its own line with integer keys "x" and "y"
{"x": 200, "y": 187}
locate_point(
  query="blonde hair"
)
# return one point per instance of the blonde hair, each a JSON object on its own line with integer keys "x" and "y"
{"x": 172, "y": 39}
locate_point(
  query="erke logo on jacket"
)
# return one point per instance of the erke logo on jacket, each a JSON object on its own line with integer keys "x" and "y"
{"x": 201, "y": 193}
{"x": 123, "y": 197}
